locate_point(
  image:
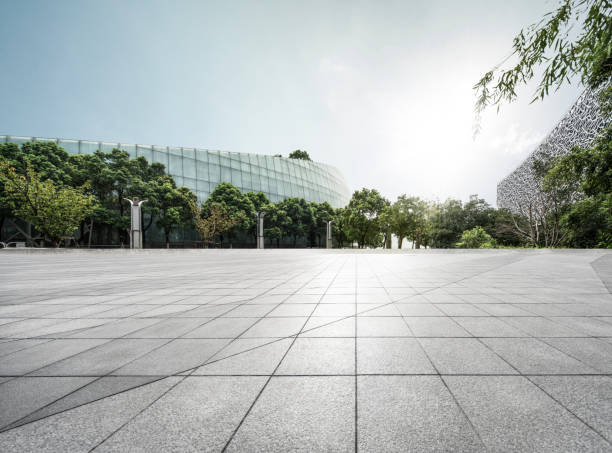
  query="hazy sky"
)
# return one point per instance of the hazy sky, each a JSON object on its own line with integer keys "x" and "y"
{"x": 380, "y": 89}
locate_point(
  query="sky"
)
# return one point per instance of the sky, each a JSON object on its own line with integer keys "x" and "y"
{"x": 380, "y": 89}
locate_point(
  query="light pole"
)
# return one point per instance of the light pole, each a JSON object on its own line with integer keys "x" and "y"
{"x": 260, "y": 230}
{"x": 329, "y": 242}
{"x": 135, "y": 229}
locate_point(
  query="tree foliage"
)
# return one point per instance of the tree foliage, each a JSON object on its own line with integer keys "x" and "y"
{"x": 586, "y": 176}
{"x": 235, "y": 204}
{"x": 476, "y": 238}
{"x": 217, "y": 221}
{"x": 299, "y": 154}
{"x": 54, "y": 210}
{"x": 575, "y": 40}
{"x": 362, "y": 217}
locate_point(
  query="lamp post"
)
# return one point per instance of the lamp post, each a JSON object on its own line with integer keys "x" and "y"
{"x": 260, "y": 230}
{"x": 135, "y": 227}
{"x": 329, "y": 242}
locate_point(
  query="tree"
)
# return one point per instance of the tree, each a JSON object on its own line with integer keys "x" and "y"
{"x": 409, "y": 220}
{"x": 217, "y": 221}
{"x": 385, "y": 224}
{"x": 476, "y": 238}
{"x": 276, "y": 222}
{"x": 362, "y": 217}
{"x": 299, "y": 215}
{"x": 175, "y": 206}
{"x": 339, "y": 227}
{"x": 447, "y": 223}
{"x": 236, "y": 204}
{"x": 321, "y": 214}
{"x": 585, "y": 175}
{"x": 299, "y": 154}
{"x": 46, "y": 159}
{"x": 112, "y": 177}
{"x": 585, "y": 53}
{"x": 54, "y": 210}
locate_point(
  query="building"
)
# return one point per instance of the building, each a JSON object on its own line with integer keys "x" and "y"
{"x": 201, "y": 170}
{"x": 520, "y": 190}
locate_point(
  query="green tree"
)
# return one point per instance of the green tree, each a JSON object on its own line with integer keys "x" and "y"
{"x": 174, "y": 206}
{"x": 276, "y": 222}
{"x": 586, "y": 176}
{"x": 218, "y": 220}
{"x": 362, "y": 217}
{"x": 321, "y": 214}
{"x": 239, "y": 207}
{"x": 339, "y": 227}
{"x": 299, "y": 154}
{"x": 447, "y": 223}
{"x": 476, "y": 238}
{"x": 53, "y": 210}
{"x": 46, "y": 159}
{"x": 299, "y": 215}
{"x": 575, "y": 40}
{"x": 112, "y": 177}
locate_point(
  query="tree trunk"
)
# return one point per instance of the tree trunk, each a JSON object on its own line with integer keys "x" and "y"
{"x": 399, "y": 242}
{"x": 167, "y": 233}
{"x": 144, "y": 230}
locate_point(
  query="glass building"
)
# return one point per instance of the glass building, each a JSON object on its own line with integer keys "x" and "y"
{"x": 201, "y": 170}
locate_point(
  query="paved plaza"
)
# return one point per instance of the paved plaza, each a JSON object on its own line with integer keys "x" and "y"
{"x": 305, "y": 350}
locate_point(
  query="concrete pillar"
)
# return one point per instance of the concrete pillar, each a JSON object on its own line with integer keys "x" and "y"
{"x": 329, "y": 242}
{"x": 260, "y": 230}
{"x": 136, "y": 228}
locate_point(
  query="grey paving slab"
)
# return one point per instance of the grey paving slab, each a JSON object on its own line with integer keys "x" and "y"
{"x": 330, "y": 310}
{"x": 173, "y": 357}
{"x": 95, "y": 389}
{"x": 116, "y": 328}
{"x": 418, "y": 309}
{"x": 594, "y": 352}
{"x": 588, "y": 397}
{"x": 330, "y": 327}
{"x": 22, "y": 396}
{"x": 30, "y": 359}
{"x": 319, "y": 356}
{"x": 386, "y": 330}
{"x": 370, "y": 326}
{"x": 275, "y": 327}
{"x": 435, "y": 327}
{"x": 199, "y": 414}
{"x": 411, "y": 413}
{"x": 169, "y": 328}
{"x": 542, "y": 327}
{"x": 392, "y": 356}
{"x": 83, "y": 428}
{"x": 222, "y": 328}
{"x": 532, "y": 356}
{"x": 309, "y": 414}
{"x": 488, "y": 327}
{"x": 590, "y": 326}
{"x": 8, "y": 347}
{"x": 512, "y": 414}
{"x": 464, "y": 356}
{"x": 102, "y": 359}
{"x": 247, "y": 357}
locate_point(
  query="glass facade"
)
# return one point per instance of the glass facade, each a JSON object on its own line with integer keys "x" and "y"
{"x": 201, "y": 170}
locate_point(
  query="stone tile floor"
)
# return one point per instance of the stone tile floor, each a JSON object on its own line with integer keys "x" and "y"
{"x": 305, "y": 350}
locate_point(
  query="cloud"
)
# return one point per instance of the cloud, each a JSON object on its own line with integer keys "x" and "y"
{"x": 517, "y": 140}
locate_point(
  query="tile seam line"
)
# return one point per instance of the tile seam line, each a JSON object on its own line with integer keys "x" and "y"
{"x": 459, "y": 406}
{"x": 235, "y": 431}
{"x": 164, "y": 393}
{"x": 568, "y": 410}
{"x": 110, "y": 373}
{"x": 259, "y": 318}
